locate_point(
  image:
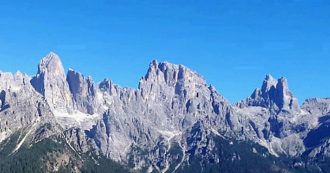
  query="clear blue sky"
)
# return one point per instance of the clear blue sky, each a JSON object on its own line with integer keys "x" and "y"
{"x": 232, "y": 43}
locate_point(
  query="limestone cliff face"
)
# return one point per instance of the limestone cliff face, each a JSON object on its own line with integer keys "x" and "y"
{"x": 271, "y": 116}
{"x": 274, "y": 94}
{"x": 181, "y": 96}
{"x": 50, "y": 81}
{"x": 173, "y": 106}
{"x": 84, "y": 92}
{"x": 22, "y": 107}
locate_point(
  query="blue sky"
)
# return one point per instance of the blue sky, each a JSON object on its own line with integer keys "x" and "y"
{"x": 232, "y": 43}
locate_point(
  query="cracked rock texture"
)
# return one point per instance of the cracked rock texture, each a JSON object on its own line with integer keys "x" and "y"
{"x": 172, "y": 108}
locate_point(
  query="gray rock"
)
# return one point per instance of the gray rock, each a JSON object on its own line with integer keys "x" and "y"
{"x": 317, "y": 106}
{"x": 275, "y": 95}
{"x": 22, "y": 108}
{"x": 50, "y": 82}
{"x": 173, "y": 106}
{"x": 84, "y": 92}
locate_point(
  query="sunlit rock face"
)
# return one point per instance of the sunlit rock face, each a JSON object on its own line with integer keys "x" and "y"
{"x": 275, "y": 95}
{"x": 172, "y": 109}
{"x": 50, "y": 81}
{"x": 21, "y": 106}
{"x": 84, "y": 92}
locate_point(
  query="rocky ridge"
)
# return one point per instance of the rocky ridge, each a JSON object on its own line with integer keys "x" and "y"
{"x": 173, "y": 108}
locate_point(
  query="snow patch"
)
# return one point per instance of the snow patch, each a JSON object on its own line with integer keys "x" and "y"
{"x": 216, "y": 132}
{"x": 76, "y": 118}
{"x": 169, "y": 134}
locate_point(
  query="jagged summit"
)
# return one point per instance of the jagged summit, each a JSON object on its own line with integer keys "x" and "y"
{"x": 83, "y": 90}
{"x": 155, "y": 68}
{"x": 268, "y": 83}
{"x": 317, "y": 106}
{"x": 51, "y": 63}
{"x": 274, "y": 94}
{"x": 50, "y": 81}
{"x": 171, "y": 79}
{"x": 172, "y": 120}
{"x": 171, "y": 73}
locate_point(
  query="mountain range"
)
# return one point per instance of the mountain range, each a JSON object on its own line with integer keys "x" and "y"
{"x": 57, "y": 121}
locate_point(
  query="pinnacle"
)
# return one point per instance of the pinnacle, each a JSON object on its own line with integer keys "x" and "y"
{"x": 51, "y": 63}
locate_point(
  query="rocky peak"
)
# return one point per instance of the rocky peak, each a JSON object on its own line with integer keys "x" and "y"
{"x": 108, "y": 86}
{"x": 170, "y": 73}
{"x": 83, "y": 90}
{"x": 269, "y": 83}
{"x": 79, "y": 84}
{"x": 170, "y": 78}
{"x": 51, "y": 64}
{"x": 50, "y": 81}
{"x": 317, "y": 106}
{"x": 160, "y": 71}
{"x": 13, "y": 82}
{"x": 274, "y": 94}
